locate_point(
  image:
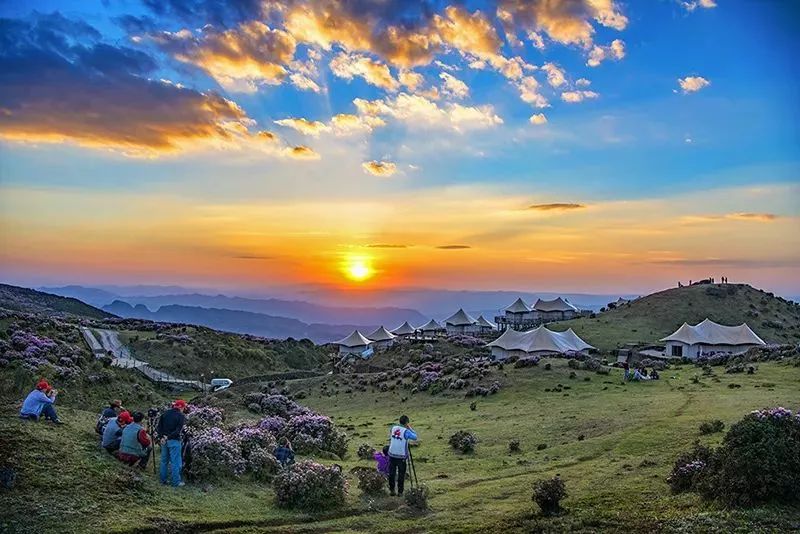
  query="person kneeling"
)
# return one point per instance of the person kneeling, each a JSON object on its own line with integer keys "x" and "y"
{"x": 112, "y": 434}
{"x": 39, "y": 403}
{"x": 135, "y": 443}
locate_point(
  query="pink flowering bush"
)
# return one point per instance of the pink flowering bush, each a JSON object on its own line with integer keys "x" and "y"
{"x": 215, "y": 454}
{"x": 273, "y": 424}
{"x": 202, "y": 417}
{"x": 262, "y": 464}
{"x": 281, "y": 406}
{"x": 311, "y": 433}
{"x": 463, "y": 441}
{"x": 252, "y": 438}
{"x": 371, "y": 482}
{"x": 308, "y": 485}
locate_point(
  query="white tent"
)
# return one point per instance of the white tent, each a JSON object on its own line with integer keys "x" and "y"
{"x": 555, "y": 309}
{"x": 518, "y": 306}
{"x": 382, "y": 338}
{"x": 431, "y": 328}
{"x": 485, "y": 325}
{"x": 404, "y": 330}
{"x": 620, "y": 301}
{"x": 461, "y": 323}
{"x": 537, "y": 341}
{"x": 355, "y": 343}
{"x": 707, "y": 336}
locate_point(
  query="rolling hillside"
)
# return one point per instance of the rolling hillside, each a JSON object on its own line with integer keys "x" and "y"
{"x": 650, "y": 318}
{"x": 29, "y": 300}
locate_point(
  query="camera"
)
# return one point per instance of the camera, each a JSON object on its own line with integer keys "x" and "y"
{"x": 152, "y": 413}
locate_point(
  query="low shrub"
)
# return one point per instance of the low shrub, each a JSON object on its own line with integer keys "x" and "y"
{"x": 541, "y": 446}
{"x": 262, "y": 464}
{"x": 711, "y": 427}
{"x": 548, "y": 494}
{"x": 463, "y": 441}
{"x": 312, "y": 433}
{"x": 417, "y": 497}
{"x": 527, "y": 361}
{"x": 308, "y": 485}
{"x": 371, "y": 482}
{"x": 365, "y": 451}
{"x": 513, "y": 446}
{"x": 215, "y": 454}
{"x": 200, "y": 418}
{"x": 688, "y": 469}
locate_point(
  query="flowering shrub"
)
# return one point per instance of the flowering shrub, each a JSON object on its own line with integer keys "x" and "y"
{"x": 427, "y": 379}
{"x": 365, "y": 451}
{"x": 202, "y": 417}
{"x": 215, "y": 454}
{"x": 463, "y": 441}
{"x": 281, "y": 406}
{"x": 262, "y": 464}
{"x": 310, "y": 486}
{"x": 276, "y": 425}
{"x": 311, "y": 433}
{"x": 371, "y": 482}
{"x": 254, "y": 438}
{"x": 548, "y": 494}
{"x": 527, "y": 361}
{"x": 417, "y": 497}
{"x": 689, "y": 468}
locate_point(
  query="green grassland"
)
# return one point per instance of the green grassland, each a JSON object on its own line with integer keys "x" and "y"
{"x": 648, "y": 319}
{"x": 615, "y": 475}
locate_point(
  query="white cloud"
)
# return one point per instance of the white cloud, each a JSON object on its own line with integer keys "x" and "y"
{"x": 555, "y": 75}
{"x": 304, "y": 126}
{"x": 304, "y": 83}
{"x": 573, "y": 97}
{"x": 598, "y": 54}
{"x": 692, "y": 84}
{"x": 583, "y": 82}
{"x": 416, "y": 110}
{"x": 538, "y": 119}
{"x": 529, "y": 92}
{"x": 694, "y": 4}
{"x": 411, "y": 79}
{"x": 536, "y": 39}
{"x": 379, "y": 168}
{"x": 348, "y": 66}
{"x": 453, "y": 86}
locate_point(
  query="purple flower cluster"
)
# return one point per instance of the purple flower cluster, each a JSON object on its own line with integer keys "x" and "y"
{"x": 310, "y": 433}
{"x": 202, "y": 417}
{"x": 215, "y": 454}
{"x": 34, "y": 351}
{"x": 310, "y": 486}
{"x": 773, "y": 413}
{"x": 254, "y": 437}
{"x": 273, "y": 424}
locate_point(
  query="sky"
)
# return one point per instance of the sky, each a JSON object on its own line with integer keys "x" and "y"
{"x": 550, "y": 145}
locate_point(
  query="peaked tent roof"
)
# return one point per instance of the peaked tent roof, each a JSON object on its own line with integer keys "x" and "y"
{"x": 431, "y": 325}
{"x": 381, "y": 334}
{"x": 540, "y": 340}
{"x": 519, "y": 306}
{"x": 621, "y": 301}
{"x": 710, "y": 333}
{"x": 484, "y": 322}
{"x": 460, "y": 318}
{"x": 356, "y": 339}
{"x": 403, "y": 329}
{"x": 557, "y": 304}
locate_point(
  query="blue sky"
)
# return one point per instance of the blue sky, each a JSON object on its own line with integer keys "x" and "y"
{"x": 167, "y": 112}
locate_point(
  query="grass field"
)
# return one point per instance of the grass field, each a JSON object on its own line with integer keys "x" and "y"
{"x": 615, "y": 475}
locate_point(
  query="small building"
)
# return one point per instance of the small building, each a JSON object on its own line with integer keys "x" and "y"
{"x": 539, "y": 342}
{"x": 432, "y": 328}
{"x": 381, "y": 338}
{"x": 485, "y": 326}
{"x": 355, "y": 343}
{"x": 708, "y": 337}
{"x": 461, "y": 323}
{"x": 405, "y": 330}
{"x": 558, "y": 309}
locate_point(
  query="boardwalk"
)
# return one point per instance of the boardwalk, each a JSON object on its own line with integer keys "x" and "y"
{"x": 110, "y": 344}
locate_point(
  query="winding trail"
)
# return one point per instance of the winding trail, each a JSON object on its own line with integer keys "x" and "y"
{"x": 109, "y": 343}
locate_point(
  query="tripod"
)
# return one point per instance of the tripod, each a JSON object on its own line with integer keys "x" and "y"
{"x": 150, "y": 425}
{"x": 413, "y": 478}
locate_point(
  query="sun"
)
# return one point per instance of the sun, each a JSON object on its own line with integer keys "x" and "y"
{"x": 358, "y": 269}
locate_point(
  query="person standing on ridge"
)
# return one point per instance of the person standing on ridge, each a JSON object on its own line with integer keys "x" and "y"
{"x": 398, "y": 453}
{"x": 170, "y": 426}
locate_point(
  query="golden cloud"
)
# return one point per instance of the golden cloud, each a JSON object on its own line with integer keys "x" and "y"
{"x": 573, "y": 97}
{"x": 379, "y": 168}
{"x": 416, "y": 110}
{"x": 556, "y": 206}
{"x": 301, "y": 152}
{"x": 453, "y": 247}
{"x": 692, "y": 84}
{"x": 304, "y": 126}
{"x": 348, "y": 66}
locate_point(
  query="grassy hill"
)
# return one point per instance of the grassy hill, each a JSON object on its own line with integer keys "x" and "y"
{"x": 648, "y": 319}
{"x": 613, "y": 445}
{"x": 32, "y": 301}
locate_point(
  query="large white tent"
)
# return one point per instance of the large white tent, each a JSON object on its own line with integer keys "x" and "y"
{"x": 381, "y": 338}
{"x": 538, "y": 341}
{"x": 404, "y": 330}
{"x": 461, "y": 323}
{"x": 485, "y": 325}
{"x": 518, "y": 306}
{"x": 707, "y": 336}
{"x": 355, "y": 343}
{"x": 431, "y": 328}
{"x": 557, "y": 308}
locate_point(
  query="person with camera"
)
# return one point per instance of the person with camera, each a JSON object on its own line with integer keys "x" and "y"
{"x": 39, "y": 403}
{"x": 398, "y": 453}
{"x": 113, "y": 409}
{"x": 168, "y": 430}
{"x": 112, "y": 434}
{"x": 135, "y": 443}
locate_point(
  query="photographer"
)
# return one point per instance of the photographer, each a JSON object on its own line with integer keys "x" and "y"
{"x": 399, "y": 436}
{"x": 39, "y": 403}
{"x": 135, "y": 443}
{"x": 170, "y": 426}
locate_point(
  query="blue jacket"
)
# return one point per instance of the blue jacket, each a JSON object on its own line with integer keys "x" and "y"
{"x": 112, "y": 432}
{"x": 34, "y": 403}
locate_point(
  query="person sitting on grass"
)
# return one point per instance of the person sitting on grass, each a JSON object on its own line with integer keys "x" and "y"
{"x": 382, "y": 459}
{"x": 654, "y": 375}
{"x": 284, "y": 453}
{"x": 135, "y": 443}
{"x": 112, "y": 410}
{"x": 39, "y": 403}
{"x": 398, "y": 453}
{"x": 169, "y": 429}
{"x": 112, "y": 434}
{"x": 640, "y": 374}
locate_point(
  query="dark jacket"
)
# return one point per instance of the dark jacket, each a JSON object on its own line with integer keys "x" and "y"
{"x": 170, "y": 424}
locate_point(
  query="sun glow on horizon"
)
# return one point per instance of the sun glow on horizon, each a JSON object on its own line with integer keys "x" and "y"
{"x": 358, "y": 268}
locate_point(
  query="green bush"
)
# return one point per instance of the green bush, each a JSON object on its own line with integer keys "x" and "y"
{"x": 417, "y": 498}
{"x": 712, "y": 427}
{"x": 548, "y": 493}
{"x": 463, "y": 441}
{"x": 689, "y": 468}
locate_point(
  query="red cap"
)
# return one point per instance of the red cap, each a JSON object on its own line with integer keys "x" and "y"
{"x": 125, "y": 417}
{"x": 179, "y": 404}
{"x": 42, "y": 385}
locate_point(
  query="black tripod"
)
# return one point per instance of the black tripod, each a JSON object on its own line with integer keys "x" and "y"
{"x": 151, "y": 421}
{"x": 413, "y": 478}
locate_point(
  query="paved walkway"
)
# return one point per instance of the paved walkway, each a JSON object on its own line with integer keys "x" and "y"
{"x": 109, "y": 343}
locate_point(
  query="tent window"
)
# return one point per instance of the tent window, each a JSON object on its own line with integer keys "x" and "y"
{"x": 677, "y": 350}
